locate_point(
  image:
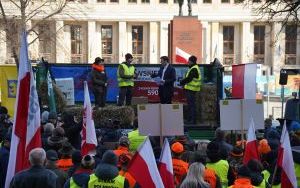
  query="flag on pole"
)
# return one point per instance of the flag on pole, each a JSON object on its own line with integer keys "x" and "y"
{"x": 251, "y": 151}
{"x": 26, "y": 133}
{"x": 165, "y": 166}
{"x": 143, "y": 167}
{"x": 88, "y": 133}
{"x": 286, "y": 162}
{"x": 244, "y": 81}
{"x": 182, "y": 57}
{"x": 51, "y": 96}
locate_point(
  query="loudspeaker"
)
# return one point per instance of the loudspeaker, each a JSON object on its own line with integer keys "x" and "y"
{"x": 283, "y": 77}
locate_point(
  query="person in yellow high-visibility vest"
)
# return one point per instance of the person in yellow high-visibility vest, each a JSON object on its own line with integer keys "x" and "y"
{"x": 125, "y": 80}
{"x": 192, "y": 84}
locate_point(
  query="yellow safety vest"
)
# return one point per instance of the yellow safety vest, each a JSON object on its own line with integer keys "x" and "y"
{"x": 73, "y": 184}
{"x": 194, "y": 85}
{"x": 135, "y": 140}
{"x": 297, "y": 172}
{"x": 266, "y": 175}
{"x": 117, "y": 182}
{"x": 128, "y": 71}
{"x": 221, "y": 169}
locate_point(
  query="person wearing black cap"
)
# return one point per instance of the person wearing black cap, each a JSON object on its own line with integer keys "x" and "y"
{"x": 4, "y": 157}
{"x": 51, "y": 159}
{"x": 167, "y": 77}
{"x": 107, "y": 173}
{"x": 99, "y": 81}
{"x": 126, "y": 74}
{"x": 244, "y": 178}
{"x": 192, "y": 85}
{"x": 76, "y": 160}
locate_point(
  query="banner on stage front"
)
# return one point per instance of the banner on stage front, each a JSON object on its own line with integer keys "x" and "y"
{"x": 236, "y": 114}
{"x": 8, "y": 85}
{"x": 171, "y": 121}
{"x": 66, "y": 85}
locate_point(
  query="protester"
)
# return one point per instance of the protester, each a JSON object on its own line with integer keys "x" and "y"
{"x": 56, "y": 140}
{"x": 52, "y": 118}
{"x": 180, "y": 167}
{"x": 76, "y": 160}
{"x": 256, "y": 168}
{"x": 244, "y": 179}
{"x": 107, "y": 173}
{"x": 4, "y": 158}
{"x": 81, "y": 176}
{"x": 192, "y": 85}
{"x": 195, "y": 177}
{"x": 52, "y": 158}
{"x": 99, "y": 82}
{"x": 125, "y": 80}
{"x": 235, "y": 159}
{"x": 72, "y": 129}
{"x": 224, "y": 147}
{"x": 48, "y": 129}
{"x": 36, "y": 176}
{"x": 135, "y": 138}
{"x": 124, "y": 160}
{"x": 123, "y": 147}
{"x": 167, "y": 77}
{"x": 65, "y": 153}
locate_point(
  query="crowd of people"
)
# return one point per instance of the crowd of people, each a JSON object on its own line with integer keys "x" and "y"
{"x": 215, "y": 164}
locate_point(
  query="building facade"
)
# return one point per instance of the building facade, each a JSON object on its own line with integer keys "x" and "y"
{"x": 111, "y": 28}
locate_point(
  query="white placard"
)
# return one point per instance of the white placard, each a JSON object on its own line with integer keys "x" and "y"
{"x": 232, "y": 112}
{"x": 66, "y": 85}
{"x": 149, "y": 119}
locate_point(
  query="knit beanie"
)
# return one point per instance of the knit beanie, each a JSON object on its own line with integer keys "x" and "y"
{"x": 76, "y": 157}
{"x": 177, "y": 147}
{"x": 88, "y": 162}
{"x": 263, "y": 146}
{"x": 110, "y": 157}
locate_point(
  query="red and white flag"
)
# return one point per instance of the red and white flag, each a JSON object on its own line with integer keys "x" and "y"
{"x": 182, "y": 57}
{"x": 244, "y": 81}
{"x": 26, "y": 134}
{"x": 143, "y": 167}
{"x": 88, "y": 133}
{"x": 251, "y": 151}
{"x": 286, "y": 162}
{"x": 165, "y": 166}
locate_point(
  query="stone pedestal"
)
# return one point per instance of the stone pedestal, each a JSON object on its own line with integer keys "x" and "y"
{"x": 185, "y": 33}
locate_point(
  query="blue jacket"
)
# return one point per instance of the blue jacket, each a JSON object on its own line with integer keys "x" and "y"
{"x": 81, "y": 177}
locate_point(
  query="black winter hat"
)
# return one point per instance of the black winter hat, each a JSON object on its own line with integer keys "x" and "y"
{"x": 51, "y": 155}
{"x": 193, "y": 59}
{"x": 110, "y": 157}
{"x": 128, "y": 56}
{"x": 76, "y": 157}
{"x": 244, "y": 172}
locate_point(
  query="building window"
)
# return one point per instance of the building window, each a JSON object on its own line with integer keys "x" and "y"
{"x": 101, "y": 1}
{"x": 137, "y": 43}
{"x": 107, "y": 43}
{"x": 114, "y": 1}
{"x": 225, "y": 1}
{"x": 238, "y": 1}
{"x": 163, "y": 1}
{"x": 290, "y": 44}
{"x": 76, "y": 44}
{"x": 256, "y": 1}
{"x": 145, "y": 1}
{"x": 12, "y": 41}
{"x": 259, "y": 44}
{"x": 45, "y": 42}
{"x": 132, "y": 1}
{"x": 228, "y": 44}
{"x": 206, "y": 1}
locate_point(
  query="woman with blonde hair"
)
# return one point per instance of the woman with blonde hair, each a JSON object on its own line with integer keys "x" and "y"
{"x": 194, "y": 177}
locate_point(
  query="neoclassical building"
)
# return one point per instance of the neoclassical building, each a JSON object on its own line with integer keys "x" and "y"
{"x": 111, "y": 28}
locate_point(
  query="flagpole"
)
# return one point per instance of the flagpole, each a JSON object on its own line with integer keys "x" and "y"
{"x": 160, "y": 126}
{"x": 242, "y": 124}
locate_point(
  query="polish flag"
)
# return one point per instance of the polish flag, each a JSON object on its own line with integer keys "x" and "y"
{"x": 181, "y": 56}
{"x": 244, "y": 81}
{"x": 26, "y": 134}
{"x": 286, "y": 162}
{"x": 251, "y": 151}
{"x": 165, "y": 166}
{"x": 143, "y": 167}
{"x": 88, "y": 133}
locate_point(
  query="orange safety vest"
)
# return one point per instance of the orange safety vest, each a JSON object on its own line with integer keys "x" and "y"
{"x": 99, "y": 68}
{"x": 180, "y": 169}
{"x": 64, "y": 164}
{"x": 242, "y": 183}
{"x": 210, "y": 177}
{"x": 129, "y": 177}
{"x": 121, "y": 150}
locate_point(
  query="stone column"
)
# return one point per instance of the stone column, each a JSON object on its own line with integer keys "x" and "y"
{"x": 298, "y": 47}
{"x": 164, "y": 38}
{"x": 268, "y": 48}
{"x": 94, "y": 42}
{"x": 245, "y": 43}
{"x": 206, "y": 46}
{"x": 153, "y": 43}
{"x": 33, "y": 48}
{"x": 215, "y": 44}
{"x": 122, "y": 41}
{"x": 278, "y": 39}
{"x": 60, "y": 39}
{"x": 3, "y": 51}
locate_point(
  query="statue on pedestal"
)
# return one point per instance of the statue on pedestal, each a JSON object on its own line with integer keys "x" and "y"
{"x": 180, "y": 3}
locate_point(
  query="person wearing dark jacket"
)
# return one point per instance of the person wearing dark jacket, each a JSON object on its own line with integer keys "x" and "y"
{"x": 4, "y": 157}
{"x": 126, "y": 74}
{"x": 76, "y": 160}
{"x": 192, "y": 84}
{"x": 36, "y": 176}
{"x": 72, "y": 130}
{"x": 99, "y": 81}
{"x": 82, "y": 175}
{"x": 52, "y": 158}
{"x": 107, "y": 173}
{"x": 167, "y": 77}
